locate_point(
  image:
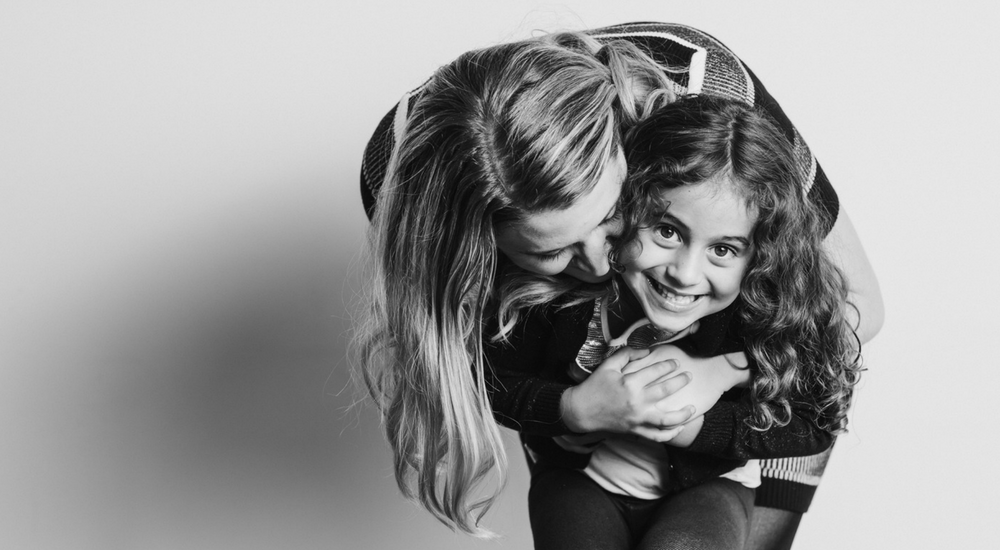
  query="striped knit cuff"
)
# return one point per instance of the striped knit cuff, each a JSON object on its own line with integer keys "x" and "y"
{"x": 785, "y": 495}
{"x": 790, "y": 483}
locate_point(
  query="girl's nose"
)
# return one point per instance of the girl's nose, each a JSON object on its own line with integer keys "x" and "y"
{"x": 683, "y": 269}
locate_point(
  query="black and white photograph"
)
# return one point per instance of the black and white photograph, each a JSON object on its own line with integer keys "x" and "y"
{"x": 482, "y": 275}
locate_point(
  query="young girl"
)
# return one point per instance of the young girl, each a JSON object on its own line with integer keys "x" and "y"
{"x": 721, "y": 229}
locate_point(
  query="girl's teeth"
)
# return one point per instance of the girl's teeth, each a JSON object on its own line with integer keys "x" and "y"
{"x": 679, "y": 300}
{"x": 671, "y": 297}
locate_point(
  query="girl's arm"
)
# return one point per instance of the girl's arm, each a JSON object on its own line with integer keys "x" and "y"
{"x": 719, "y": 428}
{"x": 723, "y": 432}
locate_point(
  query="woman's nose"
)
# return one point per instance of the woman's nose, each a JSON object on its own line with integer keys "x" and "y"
{"x": 593, "y": 257}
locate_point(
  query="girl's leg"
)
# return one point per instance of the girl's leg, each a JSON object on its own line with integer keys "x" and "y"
{"x": 773, "y": 529}
{"x": 710, "y": 516}
{"x": 569, "y": 511}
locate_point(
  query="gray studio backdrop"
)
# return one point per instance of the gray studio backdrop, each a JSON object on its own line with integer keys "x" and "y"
{"x": 180, "y": 222}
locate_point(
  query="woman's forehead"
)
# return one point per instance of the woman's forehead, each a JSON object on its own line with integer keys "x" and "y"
{"x": 549, "y": 230}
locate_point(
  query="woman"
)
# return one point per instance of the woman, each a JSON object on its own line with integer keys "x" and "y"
{"x": 500, "y": 194}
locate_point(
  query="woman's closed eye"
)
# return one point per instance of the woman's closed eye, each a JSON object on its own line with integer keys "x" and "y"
{"x": 550, "y": 256}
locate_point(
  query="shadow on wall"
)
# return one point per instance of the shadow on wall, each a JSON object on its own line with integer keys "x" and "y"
{"x": 195, "y": 392}
{"x": 185, "y": 384}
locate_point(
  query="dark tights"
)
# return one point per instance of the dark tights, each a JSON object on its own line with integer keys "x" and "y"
{"x": 773, "y": 529}
{"x": 569, "y": 511}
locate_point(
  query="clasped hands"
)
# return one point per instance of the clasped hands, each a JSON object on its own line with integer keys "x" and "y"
{"x": 659, "y": 394}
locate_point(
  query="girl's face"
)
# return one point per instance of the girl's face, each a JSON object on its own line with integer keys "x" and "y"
{"x": 692, "y": 261}
{"x": 574, "y": 240}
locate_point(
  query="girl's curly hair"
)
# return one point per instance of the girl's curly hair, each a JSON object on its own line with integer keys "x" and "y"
{"x": 793, "y": 299}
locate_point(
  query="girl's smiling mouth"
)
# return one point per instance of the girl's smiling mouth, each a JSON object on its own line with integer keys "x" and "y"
{"x": 671, "y": 299}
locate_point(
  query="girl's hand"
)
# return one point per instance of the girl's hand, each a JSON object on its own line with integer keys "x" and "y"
{"x": 624, "y": 394}
{"x": 711, "y": 377}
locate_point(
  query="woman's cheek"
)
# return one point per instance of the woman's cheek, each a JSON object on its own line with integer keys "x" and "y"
{"x": 540, "y": 267}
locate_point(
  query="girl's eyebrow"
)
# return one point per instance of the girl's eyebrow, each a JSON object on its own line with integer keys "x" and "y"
{"x": 685, "y": 229}
{"x": 665, "y": 215}
{"x": 742, "y": 240}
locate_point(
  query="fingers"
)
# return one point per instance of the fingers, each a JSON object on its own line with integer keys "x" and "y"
{"x": 650, "y": 374}
{"x": 659, "y": 435}
{"x": 656, "y": 354}
{"x": 667, "y": 386}
{"x": 675, "y": 418}
{"x": 625, "y": 357}
{"x": 666, "y": 351}
{"x": 667, "y": 427}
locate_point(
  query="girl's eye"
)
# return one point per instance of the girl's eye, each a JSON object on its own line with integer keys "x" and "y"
{"x": 667, "y": 232}
{"x": 721, "y": 251}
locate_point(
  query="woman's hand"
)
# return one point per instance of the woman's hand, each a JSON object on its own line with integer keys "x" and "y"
{"x": 624, "y": 393}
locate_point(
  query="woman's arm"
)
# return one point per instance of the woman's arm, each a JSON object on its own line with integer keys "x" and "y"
{"x": 844, "y": 247}
{"x": 630, "y": 393}
{"x": 531, "y": 391}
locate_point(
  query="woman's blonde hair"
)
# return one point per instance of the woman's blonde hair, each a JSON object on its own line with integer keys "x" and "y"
{"x": 496, "y": 135}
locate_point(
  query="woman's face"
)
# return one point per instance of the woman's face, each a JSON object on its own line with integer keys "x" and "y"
{"x": 574, "y": 240}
